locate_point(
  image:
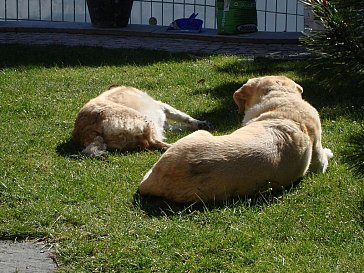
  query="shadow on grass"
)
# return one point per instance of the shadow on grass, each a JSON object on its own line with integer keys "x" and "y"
{"x": 157, "y": 206}
{"x": 63, "y": 56}
{"x": 69, "y": 149}
{"x": 225, "y": 117}
{"x": 360, "y": 215}
{"x": 354, "y": 155}
{"x": 262, "y": 66}
{"x": 345, "y": 98}
{"x": 331, "y": 104}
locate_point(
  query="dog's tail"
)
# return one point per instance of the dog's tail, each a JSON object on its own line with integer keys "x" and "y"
{"x": 96, "y": 148}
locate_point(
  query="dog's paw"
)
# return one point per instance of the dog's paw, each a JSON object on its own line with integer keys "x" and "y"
{"x": 328, "y": 153}
{"x": 204, "y": 125}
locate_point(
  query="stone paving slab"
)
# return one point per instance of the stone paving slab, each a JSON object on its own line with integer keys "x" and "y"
{"x": 25, "y": 257}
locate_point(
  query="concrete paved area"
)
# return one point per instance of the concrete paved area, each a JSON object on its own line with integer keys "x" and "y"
{"x": 284, "y": 44}
{"x": 25, "y": 257}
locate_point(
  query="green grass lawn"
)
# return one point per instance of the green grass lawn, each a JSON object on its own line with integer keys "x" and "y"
{"x": 85, "y": 207}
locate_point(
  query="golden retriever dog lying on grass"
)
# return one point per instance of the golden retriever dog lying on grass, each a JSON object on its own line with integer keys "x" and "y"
{"x": 125, "y": 118}
{"x": 279, "y": 142}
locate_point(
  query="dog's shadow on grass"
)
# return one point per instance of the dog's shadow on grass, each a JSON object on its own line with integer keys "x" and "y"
{"x": 157, "y": 206}
{"x": 69, "y": 149}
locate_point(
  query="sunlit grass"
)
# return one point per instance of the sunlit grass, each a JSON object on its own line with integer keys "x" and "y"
{"x": 86, "y": 206}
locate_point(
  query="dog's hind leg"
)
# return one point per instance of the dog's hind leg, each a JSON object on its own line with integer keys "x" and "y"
{"x": 320, "y": 157}
{"x": 179, "y": 116}
{"x": 159, "y": 145}
{"x": 150, "y": 139}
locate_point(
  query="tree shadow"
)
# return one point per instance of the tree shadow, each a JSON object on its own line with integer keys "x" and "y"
{"x": 331, "y": 104}
{"x": 225, "y": 117}
{"x": 341, "y": 98}
{"x": 63, "y": 56}
{"x": 157, "y": 206}
{"x": 354, "y": 153}
{"x": 343, "y": 101}
{"x": 262, "y": 66}
{"x": 361, "y": 213}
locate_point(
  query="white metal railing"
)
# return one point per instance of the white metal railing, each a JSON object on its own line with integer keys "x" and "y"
{"x": 273, "y": 15}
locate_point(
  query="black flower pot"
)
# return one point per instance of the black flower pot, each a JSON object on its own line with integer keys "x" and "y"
{"x": 109, "y": 13}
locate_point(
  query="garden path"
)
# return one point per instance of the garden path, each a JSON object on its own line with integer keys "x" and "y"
{"x": 273, "y": 44}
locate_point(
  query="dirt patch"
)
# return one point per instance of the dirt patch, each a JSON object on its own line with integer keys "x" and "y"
{"x": 25, "y": 257}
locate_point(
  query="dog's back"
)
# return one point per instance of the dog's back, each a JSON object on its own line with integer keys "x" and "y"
{"x": 202, "y": 167}
{"x": 128, "y": 96}
{"x": 118, "y": 119}
{"x": 139, "y": 101}
{"x": 280, "y": 140}
{"x": 126, "y": 118}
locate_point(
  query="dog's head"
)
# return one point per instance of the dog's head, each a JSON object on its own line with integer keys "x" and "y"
{"x": 255, "y": 89}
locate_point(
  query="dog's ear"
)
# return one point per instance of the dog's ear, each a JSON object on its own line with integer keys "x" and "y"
{"x": 242, "y": 96}
{"x": 286, "y": 82}
{"x": 299, "y": 88}
{"x": 113, "y": 86}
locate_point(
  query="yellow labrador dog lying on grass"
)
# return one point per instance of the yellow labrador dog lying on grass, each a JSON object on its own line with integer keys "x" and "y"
{"x": 279, "y": 142}
{"x": 126, "y": 118}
